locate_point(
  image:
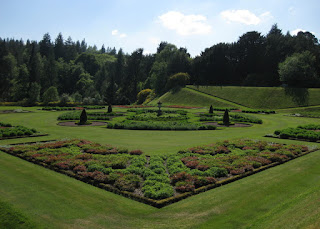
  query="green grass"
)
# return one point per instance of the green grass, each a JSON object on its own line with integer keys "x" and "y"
{"x": 12, "y": 218}
{"x": 188, "y": 97}
{"x": 286, "y": 196}
{"x": 264, "y": 97}
{"x": 313, "y": 112}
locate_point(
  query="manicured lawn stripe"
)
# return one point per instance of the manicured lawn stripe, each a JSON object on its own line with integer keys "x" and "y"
{"x": 264, "y": 97}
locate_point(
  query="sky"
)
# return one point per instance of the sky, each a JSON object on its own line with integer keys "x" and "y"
{"x": 133, "y": 24}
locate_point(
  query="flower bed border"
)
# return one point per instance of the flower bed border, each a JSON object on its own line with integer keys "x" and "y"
{"x": 163, "y": 202}
{"x": 289, "y": 138}
{"x": 24, "y": 136}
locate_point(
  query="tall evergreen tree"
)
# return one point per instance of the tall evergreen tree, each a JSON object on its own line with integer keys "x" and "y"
{"x": 59, "y": 47}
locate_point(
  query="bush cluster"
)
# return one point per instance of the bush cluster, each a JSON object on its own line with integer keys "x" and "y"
{"x": 306, "y": 132}
{"x": 157, "y": 183}
{"x": 7, "y": 131}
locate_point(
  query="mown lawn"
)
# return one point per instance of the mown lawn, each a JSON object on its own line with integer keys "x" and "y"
{"x": 286, "y": 196}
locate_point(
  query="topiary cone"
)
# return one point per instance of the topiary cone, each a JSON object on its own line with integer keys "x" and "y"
{"x": 109, "y": 108}
{"x": 211, "y": 110}
{"x": 83, "y": 117}
{"x": 226, "y": 119}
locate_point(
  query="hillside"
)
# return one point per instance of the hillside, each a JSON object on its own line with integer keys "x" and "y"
{"x": 264, "y": 97}
{"x": 189, "y": 97}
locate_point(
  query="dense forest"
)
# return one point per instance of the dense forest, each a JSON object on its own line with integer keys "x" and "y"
{"x": 67, "y": 70}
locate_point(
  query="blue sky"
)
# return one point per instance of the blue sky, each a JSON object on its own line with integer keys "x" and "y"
{"x": 132, "y": 24}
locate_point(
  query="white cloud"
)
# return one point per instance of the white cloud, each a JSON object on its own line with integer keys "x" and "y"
{"x": 123, "y": 35}
{"x": 296, "y": 31}
{"x": 117, "y": 34}
{"x": 266, "y": 16}
{"x": 292, "y": 10}
{"x": 243, "y": 16}
{"x": 185, "y": 24}
{"x": 114, "y": 32}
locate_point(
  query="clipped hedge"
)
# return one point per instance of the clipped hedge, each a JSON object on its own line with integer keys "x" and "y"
{"x": 234, "y": 117}
{"x": 157, "y": 125}
{"x": 309, "y": 132}
{"x": 9, "y": 131}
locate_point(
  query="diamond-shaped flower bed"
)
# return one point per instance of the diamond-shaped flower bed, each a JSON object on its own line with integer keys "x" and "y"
{"x": 157, "y": 180}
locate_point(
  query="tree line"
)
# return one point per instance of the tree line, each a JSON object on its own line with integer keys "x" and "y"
{"x": 69, "y": 70}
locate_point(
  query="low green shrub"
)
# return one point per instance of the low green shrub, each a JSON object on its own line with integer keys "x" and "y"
{"x": 307, "y": 132}
{"x": 158, "y": 190}
{"x": 132, "y": 125}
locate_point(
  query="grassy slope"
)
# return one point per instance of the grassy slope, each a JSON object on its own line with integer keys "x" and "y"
{"x": 286, "y": 196}
{"x": 260, "y": 97}
{"x": 188, "y": 97}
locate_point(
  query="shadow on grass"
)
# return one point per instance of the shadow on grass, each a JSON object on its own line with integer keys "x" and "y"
{"x": 300, "y": 96}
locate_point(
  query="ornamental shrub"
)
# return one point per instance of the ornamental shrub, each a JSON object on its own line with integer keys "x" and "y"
{"x": 83, "y": 117}
{"x": 226, "y": 119}
{"x": 158, "y": 190}
{"x": 109, "y": 108}
{"x": 211, "y": 110}
{"x": 142, "y": 95}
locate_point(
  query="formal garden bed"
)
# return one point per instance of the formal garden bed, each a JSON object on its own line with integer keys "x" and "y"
{"x": 158, "y": 125}
{"x": 151, "y": 119}
{"x": 8, "y": 131}
{"x": 310, "y": 132}
{"x": 157, "y": 180}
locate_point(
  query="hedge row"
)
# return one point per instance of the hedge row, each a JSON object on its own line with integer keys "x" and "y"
{"x": 233, "y": 117}
{"x": 158, "y": 125}
{"x": 308, "y": 132}
{"x": 75, "y": 115}
{"x": 9, "y": 131}
{"x": 62, "y": 108}
{"x": 259, "y": 111}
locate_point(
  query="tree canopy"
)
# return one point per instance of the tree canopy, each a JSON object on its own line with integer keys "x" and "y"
{"x": 85, "y": 73}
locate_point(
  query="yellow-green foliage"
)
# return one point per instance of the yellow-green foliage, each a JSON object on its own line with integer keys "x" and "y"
{"x": 178, "y": 79}
{"x": 145, "y": 96}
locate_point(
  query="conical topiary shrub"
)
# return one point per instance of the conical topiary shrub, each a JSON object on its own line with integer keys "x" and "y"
{"x": 109, "y": 108}
{"x": 83, "y": 117}
{"x": 211, "y": 110}
{"x": 226, "y": 119}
